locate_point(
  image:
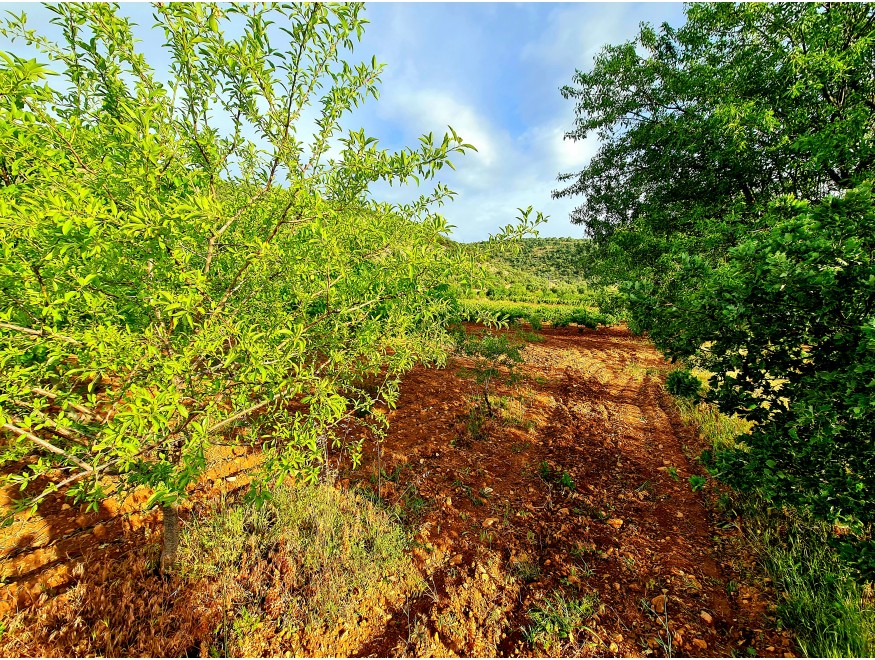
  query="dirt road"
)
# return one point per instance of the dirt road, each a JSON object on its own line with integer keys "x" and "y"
{"x": 630, "y": 533}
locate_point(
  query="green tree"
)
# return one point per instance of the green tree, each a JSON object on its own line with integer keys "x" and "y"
{"x": 707, "y": 122}
{"x": 733, "y": 188}
{"x": 494, "y": 353}
{"x": 182, "y": 266}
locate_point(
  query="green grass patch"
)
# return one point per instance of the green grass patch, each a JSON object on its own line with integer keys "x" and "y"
{"x": 326, "y": 555}
{"x": 558, "y": 621}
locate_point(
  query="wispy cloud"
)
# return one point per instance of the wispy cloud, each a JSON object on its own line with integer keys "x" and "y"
{"x": 493, "y": 73}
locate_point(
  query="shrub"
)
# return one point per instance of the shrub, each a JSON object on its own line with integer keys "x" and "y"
{"x": 683, "y": 383}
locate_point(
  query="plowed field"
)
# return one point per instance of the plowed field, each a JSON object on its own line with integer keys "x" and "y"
{"x": 578, "y": 491}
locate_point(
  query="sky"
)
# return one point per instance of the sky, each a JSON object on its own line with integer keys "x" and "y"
{"x": 493, "y": 72}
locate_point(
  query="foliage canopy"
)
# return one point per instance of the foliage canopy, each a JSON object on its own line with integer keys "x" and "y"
{"x": 732, "y": 195}
{"x": 183, "y": 263}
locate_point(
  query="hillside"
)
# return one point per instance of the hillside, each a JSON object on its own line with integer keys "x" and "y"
{"x": 538, "y": 270}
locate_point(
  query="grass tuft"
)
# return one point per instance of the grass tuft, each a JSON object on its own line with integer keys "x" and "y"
{"x": 557, "y": 623}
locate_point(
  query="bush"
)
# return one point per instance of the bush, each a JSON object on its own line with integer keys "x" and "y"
{"x": 790, "y": 334}
{"x": 683, "y": 383}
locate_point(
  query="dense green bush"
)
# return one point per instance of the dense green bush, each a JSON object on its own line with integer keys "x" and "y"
{"x": 788, "y": 322}
{"x": 683, "y": 383}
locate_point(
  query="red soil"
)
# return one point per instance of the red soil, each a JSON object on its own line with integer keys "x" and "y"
{"x": 631, "y": 531}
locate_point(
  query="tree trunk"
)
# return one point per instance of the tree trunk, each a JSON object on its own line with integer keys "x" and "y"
{"x": 171, "y": 536}
{"x": 486, "y": 399}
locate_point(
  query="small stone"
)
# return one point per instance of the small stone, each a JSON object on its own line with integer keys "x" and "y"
{"x": 770, "y": 648}
{"x": 700, "y": 643}
{"x": 613, "y": 647}
{"x": 616, "y": 523}
{"x": 658, "y": 604}
{"x": 231, "y": 479}
{"x": 449, "y": 501}
{"x": 563, "y": 512}
{"x": 456, "y": 560}
{"x": 679, "y": 514}
{"x": 99, "y": 531}
{"x": 489, "y": 522}
{"x": 707, "y": 618}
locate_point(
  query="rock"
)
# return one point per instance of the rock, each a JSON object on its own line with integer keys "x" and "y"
{"x": 707, "y": 618}
{"x": 679, "y": 514}
{"x": 700, "y": 643}
{"x": 616, "y": 523}
{"x": 658, "y": 604}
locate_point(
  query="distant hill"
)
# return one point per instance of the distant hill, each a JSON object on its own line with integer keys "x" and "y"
{"x": 557, "y": 259}
{"x": 540, "y": 270}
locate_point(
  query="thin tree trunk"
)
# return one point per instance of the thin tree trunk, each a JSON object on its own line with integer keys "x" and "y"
{"x": 486, "y": 398}
{"x": 171, "y": 536}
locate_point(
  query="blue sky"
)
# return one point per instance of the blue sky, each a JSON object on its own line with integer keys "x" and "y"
{"x": 493, "y": 72}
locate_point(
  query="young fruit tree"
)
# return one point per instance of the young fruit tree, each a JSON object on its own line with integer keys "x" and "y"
{"x": 185, "y": 264}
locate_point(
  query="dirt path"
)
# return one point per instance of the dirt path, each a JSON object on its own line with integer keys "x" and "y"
{"x": 502, "y": 535}
{"x": 577, "y": 496}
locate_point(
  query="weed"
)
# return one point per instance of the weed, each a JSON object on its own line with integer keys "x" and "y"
{"x": 684, "y": 384}
{"x": 673, "y": 472}
{"x": 544, "y": 471}
{"x": 526, "y": 571}
{"x": 469, "y": 492}
{"x": 590, "y": 512}
{"x": 562, "y": 478}
{"x": 697, "y": 482}
{"x": 558, "y": 621}
{"x": 474, "y": 423}
{"x": 581, "y": 550}
{"x": 662, "y": 617}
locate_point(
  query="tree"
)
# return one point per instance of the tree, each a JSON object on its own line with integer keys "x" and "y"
{"x": 180, "y": 267}
{"x": 786, "y": 326}
{"x": 706, "y": 123}
{"x": 732, "y": 197}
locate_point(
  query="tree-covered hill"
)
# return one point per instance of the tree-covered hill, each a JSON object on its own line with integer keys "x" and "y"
{"x": 537, "y": 270}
